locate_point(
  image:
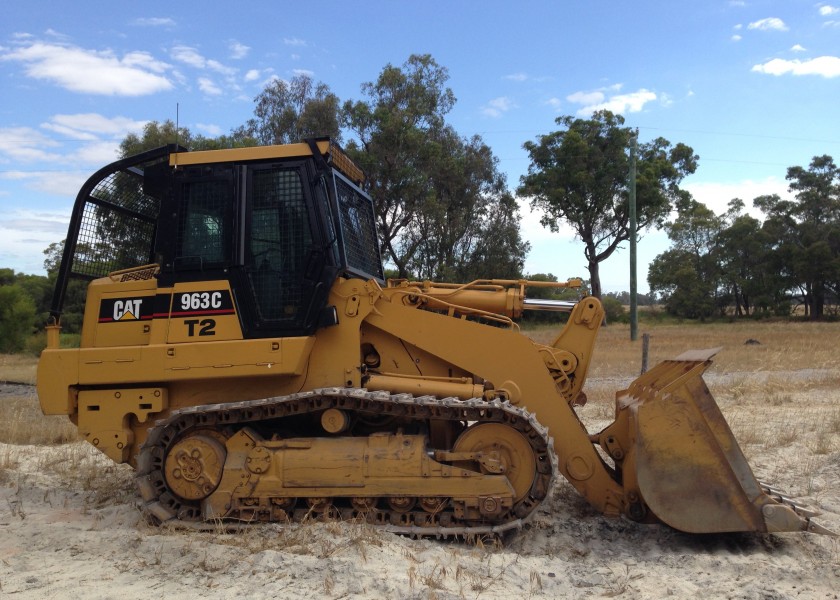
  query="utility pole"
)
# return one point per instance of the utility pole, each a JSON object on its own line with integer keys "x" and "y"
{"x": 634, "y": 318}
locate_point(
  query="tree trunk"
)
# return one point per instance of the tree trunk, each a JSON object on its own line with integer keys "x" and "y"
{"x": 595, "y": 278}
{"x": 818, "y": 296}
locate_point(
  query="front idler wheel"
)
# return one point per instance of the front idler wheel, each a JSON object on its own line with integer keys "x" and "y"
{"x": 194, "y": 466}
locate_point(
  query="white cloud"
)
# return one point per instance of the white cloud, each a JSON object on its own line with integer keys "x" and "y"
{"x": 100, "y": 152}
{"x": 211, "y": 130}
{"x": 618, "y": 103}
{"x": 294, "y": 42}
{"x": 238, "y": 51}
{"x": 304, "y": 72}
{"x": 516, "y": 77}
{"x": 93, "y": 125}
{"x": 209, "y": 87}
{"x": 188, "y": 56}
{"x": 154, "y": 22}
{"x": 736, "y": 38}
{"x": 84, "y": 132}
{"x": 586, "y": 97}
{"x": 768, "y": 24}
{"x": 797, "y": 48}
{"x": 25, "y": 144}
{"x": 824, "y": 66}
{"x": 555, "y": 103}
{"x": 252, "y": 75}
{"x": 28, "y": 221}
{"x": 90, "y": 71}
{"x": 531, "y": 228}
{"x": 83, "y": 141}
{"x": 827, "y": 10}
{"x": 24, "y": 234}
{"x": 52, "y": 182}
{"x": 497, "y": 106}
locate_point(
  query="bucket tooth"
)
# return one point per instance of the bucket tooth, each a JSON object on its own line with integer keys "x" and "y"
{"x": 803, "y": 510}
{"x": 816, "y": 528}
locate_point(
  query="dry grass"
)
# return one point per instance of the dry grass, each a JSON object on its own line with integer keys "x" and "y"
{"x": 783, "y": 346}
{"x": 18, "y": 368}
{"x": 21, "y": 422}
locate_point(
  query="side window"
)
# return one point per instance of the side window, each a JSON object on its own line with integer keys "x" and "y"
{"x": 205, "y": 228}
{"x": 279, "y": 244}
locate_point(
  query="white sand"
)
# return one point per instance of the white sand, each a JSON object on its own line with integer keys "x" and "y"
{"x": 69, "y": 528}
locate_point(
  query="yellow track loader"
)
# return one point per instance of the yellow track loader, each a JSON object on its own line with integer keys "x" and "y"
{"x": 241, "y": 349}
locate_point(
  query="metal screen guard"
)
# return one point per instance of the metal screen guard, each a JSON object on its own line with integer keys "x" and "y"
{"x": 359, "y": 243}
{"x": 112, "y": 225}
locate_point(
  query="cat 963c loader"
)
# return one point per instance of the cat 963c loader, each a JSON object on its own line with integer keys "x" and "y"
{"x": 242, "y": 351}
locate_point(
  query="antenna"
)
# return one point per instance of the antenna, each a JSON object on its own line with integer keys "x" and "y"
{"x": 177, "y": 128}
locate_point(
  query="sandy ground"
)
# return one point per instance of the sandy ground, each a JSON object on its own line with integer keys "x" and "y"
{"x": 69, "y": 527}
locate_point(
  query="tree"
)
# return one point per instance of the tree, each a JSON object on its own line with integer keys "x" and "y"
{"x": 442, "y": 207}
{"x": 288, "y": 112}
{"x": 72, "y": 312}
{"x": 405, "y": 109}
{"x": 579, "y": 175}
{"x": 468, "y": 228}
{"x": 155, "y": 135}
{"x": 745, "y": 257}
{"x": 17, "y": 314}
{"x": 688, "y": 274}
{"x": 807, "y": 232}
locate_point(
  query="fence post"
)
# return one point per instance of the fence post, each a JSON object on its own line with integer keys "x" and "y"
{"x": 645, "y": 345}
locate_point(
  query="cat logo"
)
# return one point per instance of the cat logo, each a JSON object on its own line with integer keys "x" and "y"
{"x": 138, "y": 308}
{"x": 125, "y": 310}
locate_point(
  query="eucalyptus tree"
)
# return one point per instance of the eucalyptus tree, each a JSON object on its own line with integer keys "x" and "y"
{"x": 688, "y": 274}
{"x": 579, "y": 175}
{"x": 442, "y": 206}
{"x": 807, "y": 232}
{"x": 290, "y": 111}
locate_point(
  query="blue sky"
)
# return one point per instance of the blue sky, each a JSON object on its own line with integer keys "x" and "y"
{"x": 753, "y": 86}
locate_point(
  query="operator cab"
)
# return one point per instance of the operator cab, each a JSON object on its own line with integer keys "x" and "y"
{"x": 279, "y": 223}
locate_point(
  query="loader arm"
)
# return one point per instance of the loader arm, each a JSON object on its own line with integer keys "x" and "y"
{"x": 517, "y": 367}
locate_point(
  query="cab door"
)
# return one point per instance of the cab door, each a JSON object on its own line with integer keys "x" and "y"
{"x": 282, "y": 261}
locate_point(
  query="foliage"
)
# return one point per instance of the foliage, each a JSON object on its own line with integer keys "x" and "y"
{"x": 624, "y": 298}
{"x": 442, "y": 207}
{"x": 154, "y": 135}
{"x": 17, "y": 315}
{"x": 718, "y": 261}
{"x": 614, "y": 310}
{"x": 548, "y": 293}
{"x": 579, "y": 175}
{"x": 288, "y": 112}
{"x": 806, "y": 233}
{"x": 688, "y": 273}
{"x": 74, "y": 297}
{"x": 157, "y": 134}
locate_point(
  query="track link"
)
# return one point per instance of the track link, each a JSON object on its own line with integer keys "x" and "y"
{"x": 164, "y": 506}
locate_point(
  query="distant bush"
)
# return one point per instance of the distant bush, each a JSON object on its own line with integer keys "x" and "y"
{"x": 615, "y": 310}
{"x": 17, "y": 314}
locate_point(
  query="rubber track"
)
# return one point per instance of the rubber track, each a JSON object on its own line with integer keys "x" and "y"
{"x": 166, "y": 508}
